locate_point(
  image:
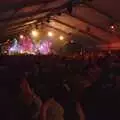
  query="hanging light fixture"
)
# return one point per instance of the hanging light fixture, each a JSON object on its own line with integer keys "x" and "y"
{"x": 21, "y": 36}
{"x": 34, "y": 33}
{"x": 61, "y": 37}
{"x": 50, "y": 34}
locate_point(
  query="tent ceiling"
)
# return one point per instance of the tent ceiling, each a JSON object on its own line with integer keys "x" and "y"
{"x": 91, "y": 19}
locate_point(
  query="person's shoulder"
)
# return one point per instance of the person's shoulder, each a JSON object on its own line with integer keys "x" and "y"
{"x": 58, "y": 108}
{"x": 56, "y": 105}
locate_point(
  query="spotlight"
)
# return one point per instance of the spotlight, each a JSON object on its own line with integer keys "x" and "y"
{"x": 112, "y": 27}
{"x": 34, "y": 33}
{"x": 61, "y": 38}
{"x": 21, "y": 36}
{"x": 50, "y": 34}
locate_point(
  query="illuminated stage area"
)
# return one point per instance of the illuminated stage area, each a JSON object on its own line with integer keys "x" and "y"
{"x": 34, "y": 43}
{"x": 28, "y": 47}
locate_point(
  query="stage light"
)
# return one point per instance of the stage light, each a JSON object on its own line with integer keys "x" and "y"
{"x": 21, "y": 36}
{"x": 50, "y": 34}
{"x": 112, "y": 26}
{"x": 34, "y": 33}
{"x": 61, "y": 38}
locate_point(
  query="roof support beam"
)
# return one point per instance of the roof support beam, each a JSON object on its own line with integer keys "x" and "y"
{"x": 27, "y": 27}
{"x": 19, "y": 29}
{"x": 101, "y": 12}
{"x": 86, "y": 33}
{"x": 56, "y": 29}
{"x": 91, "y": 24}
{"x": 37, "y": 12}
{"x": 22, "y": 4}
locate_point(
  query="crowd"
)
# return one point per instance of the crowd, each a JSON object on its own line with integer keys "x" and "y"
{"x": 60, "y": 88}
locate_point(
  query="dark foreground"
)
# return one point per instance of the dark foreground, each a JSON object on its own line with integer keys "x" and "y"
{"x": 92, "y": 83}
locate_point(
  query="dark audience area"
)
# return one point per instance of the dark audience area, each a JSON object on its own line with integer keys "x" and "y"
{"x": 84, "y": 87}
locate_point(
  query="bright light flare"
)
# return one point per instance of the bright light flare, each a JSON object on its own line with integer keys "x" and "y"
{"x": 112, "y": 27}
{"x": 35, "y": 33}
{"x": 12, "y": 49}
{"x": 50, "y": 34}
{"x": 21, "y": 37}
{"x": 61, "y": 37}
